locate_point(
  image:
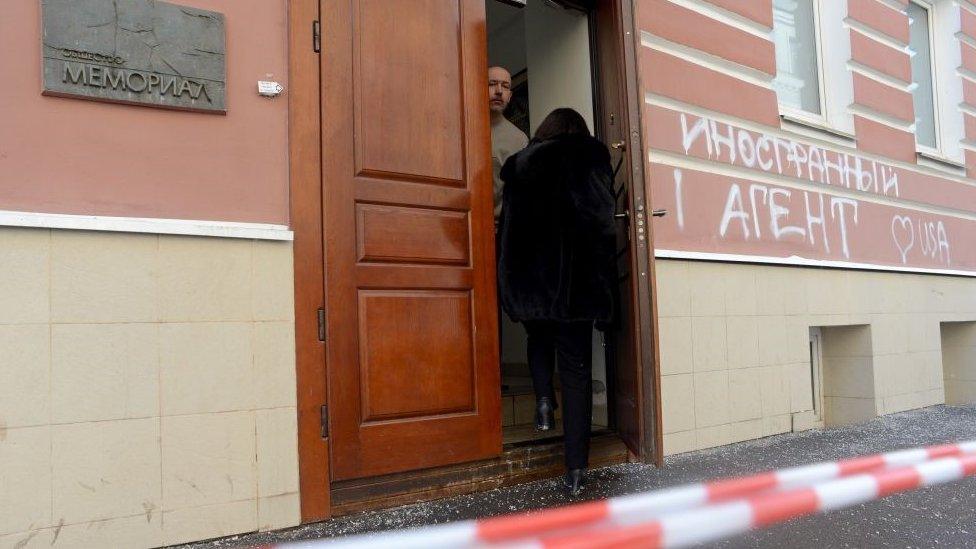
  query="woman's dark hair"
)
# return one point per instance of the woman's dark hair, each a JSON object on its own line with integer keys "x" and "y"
{"x": 562, "y": 121}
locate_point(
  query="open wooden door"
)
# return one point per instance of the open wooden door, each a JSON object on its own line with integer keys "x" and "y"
{"x": 615, "y": 126}
{"x": 410, "y": 275}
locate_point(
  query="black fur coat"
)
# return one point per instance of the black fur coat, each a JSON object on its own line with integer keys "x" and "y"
{"x": 556, "y": 234}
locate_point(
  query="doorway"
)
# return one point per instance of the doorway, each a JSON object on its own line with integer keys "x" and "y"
{"x": 546, "y": 47}
{"x": 399, "y": 388}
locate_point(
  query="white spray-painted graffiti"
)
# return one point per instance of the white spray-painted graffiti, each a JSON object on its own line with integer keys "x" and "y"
{"x": 679, "y": 200}
{"x": 757, "y": 212}
{"x": 783, "y": 156}
{"x": 903, "y": 234}
{"x": 768, "y": 207}
{"x": 930, "y": 237}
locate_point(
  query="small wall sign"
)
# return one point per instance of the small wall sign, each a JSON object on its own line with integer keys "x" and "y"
{"x": 132, "y": 51}
{"x": 269, "y": 89}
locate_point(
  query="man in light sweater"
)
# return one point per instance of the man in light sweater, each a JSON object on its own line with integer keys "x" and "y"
{"x": 506, "y": 139}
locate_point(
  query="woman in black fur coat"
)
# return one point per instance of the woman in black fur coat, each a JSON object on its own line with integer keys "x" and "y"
{"x": 556, "y": 267}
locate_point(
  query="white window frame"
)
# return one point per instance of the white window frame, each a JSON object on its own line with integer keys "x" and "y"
{"x": 800, "y": 114}
{"x": 834, "y": 83}
{"x": 946, "y": 23}
{"x": 936, "y": 151}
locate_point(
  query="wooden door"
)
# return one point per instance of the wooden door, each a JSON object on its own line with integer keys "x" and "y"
{"x": 410, "y": 267}
{"x": 613, "y": 128}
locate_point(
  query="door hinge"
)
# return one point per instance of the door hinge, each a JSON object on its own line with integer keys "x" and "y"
{"x": 321, "y": 315}
{"x": 316, "y": 36}
{"x": 325, "y": 420}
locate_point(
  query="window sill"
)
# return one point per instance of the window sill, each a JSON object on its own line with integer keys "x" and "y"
{"x": 936, "y": 161}
{"x": 808, "y": 128}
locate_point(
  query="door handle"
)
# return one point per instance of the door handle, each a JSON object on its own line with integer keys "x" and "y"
{"x": 622, "y": 215}
{"x": 619, "y": 146}
{"x": 659, "y": 213}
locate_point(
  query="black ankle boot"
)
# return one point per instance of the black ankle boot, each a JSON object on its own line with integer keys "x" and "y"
{"x": 545, "y": 418}
{"x": 573, "y": 481}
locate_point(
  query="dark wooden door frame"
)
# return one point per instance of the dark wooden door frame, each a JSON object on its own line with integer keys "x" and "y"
{"x": 644, "y": 285}
{"x": 305, "y": 171}
{"x": 645, "y": 278}
{"x": 610, "y": 126}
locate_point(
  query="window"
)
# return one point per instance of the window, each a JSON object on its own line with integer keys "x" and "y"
{"x": 813, "y": 83}
{"x": 923, "y": 76}
{"x": 797, "y": 82}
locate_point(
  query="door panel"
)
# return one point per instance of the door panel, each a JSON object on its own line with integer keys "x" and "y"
{"x": 622, "y": 343}
{"x": 412, "y": 235}
{"x": 410, "y": 286}
{"x": 439, "y": 378}
{"x": 408, "y": 85}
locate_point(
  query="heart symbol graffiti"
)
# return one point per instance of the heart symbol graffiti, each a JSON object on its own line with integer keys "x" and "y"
{"x": 903, "y": 233}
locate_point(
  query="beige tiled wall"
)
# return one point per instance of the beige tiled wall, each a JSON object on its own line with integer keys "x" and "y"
{"x": 147, "y": 388}
{"x": 735, "y": 353}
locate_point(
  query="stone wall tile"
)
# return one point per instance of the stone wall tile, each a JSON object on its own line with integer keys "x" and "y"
{"x": 104, "y": 372}
{"x": 105, "y": 469}
{"x": 208, "y": 459}
{"x": 25, "y": 364}
{"x": 103, "y": 277}
{"x": 25, "y": 279}
{"x": 204, "y": 279}
{"x": 25, "y": 482}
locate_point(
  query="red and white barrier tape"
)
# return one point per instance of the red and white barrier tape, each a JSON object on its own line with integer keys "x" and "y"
{"x": 694, "y": 513}
{"x": 714, "y": 522}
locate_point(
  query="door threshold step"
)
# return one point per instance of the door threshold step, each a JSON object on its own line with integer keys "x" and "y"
{"x": 517, "y": 464}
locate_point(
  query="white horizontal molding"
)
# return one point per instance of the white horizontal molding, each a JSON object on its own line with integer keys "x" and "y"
{"x": 730, "y": 18}
{"x": 966, "y": 39}
{"x": 817, "y": 131}
{"x": 895, "y": 5}
{"x": 707, "y": 60}
{"x": 878, "y": 36}
{"x": 146, "y": 225}
{"x": 881, "y": 118}
{"x": 968, "y": 144}
{"x": 941, "y": 162}
{"x": 796, "y": 260}
{"x": 880, "y": 77}
{"x": 966, "y": 74}
{"x": 966, "y": 5}
{"x": 968, "y": 109}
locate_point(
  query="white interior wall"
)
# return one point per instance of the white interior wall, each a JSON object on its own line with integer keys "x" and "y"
{"x": 558, "y": 55}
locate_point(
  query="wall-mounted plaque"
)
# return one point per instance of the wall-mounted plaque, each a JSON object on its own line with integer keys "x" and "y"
{"x": 142, "y": 52}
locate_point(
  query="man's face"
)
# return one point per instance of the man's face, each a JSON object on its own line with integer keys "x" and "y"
{"x": 499, "y": 89}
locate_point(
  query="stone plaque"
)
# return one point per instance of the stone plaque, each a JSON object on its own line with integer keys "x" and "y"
{"x": 142, "y": 52}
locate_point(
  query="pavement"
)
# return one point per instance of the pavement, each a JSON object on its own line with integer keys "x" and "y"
{"x": 940, "y": 516}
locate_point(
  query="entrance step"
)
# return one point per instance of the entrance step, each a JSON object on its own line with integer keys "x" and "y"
{"x": 517, "y": 464}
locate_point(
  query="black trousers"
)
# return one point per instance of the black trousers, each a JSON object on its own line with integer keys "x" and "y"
{"x": 571, "y": 344}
